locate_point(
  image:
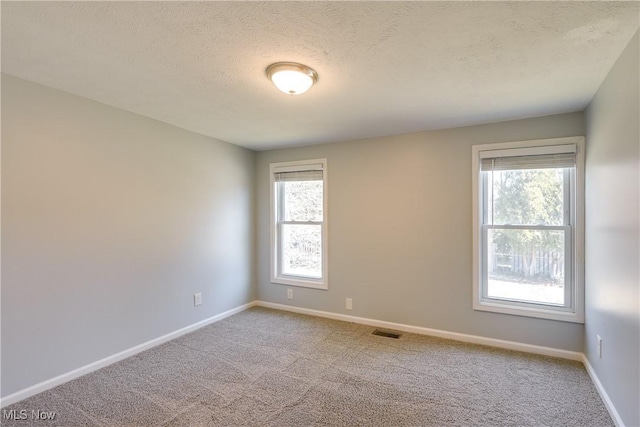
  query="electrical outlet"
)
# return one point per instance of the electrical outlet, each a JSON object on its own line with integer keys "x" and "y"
{"x": 197, "y": 299}
{"x": 599, "y": 346}
{"x": 289, "y": 293}
{"x": 349, "y": 304}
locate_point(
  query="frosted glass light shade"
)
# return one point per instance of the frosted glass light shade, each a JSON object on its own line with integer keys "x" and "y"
{"x": 291, "y": 78}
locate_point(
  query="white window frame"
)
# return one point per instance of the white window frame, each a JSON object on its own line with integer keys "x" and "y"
{"x": 574, "y": 312}
{"x": 276, "y": 276}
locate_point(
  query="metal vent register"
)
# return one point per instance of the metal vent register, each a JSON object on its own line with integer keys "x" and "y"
{"x": 386, "y": 334}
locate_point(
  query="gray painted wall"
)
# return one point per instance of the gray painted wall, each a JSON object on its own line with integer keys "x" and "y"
{"x": 111, "y": 220}
{"x": 400, "y": 237}
{"x": 613, "y": 235}
{"x": 110, "y": 223}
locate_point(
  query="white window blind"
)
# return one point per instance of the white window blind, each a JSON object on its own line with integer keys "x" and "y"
{"x": 543, "y": 161}
{"x": 309, "y": 175}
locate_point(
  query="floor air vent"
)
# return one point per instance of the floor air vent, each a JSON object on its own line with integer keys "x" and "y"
{"x": 386, "y": 334}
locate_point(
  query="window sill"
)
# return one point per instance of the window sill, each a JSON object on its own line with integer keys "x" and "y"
{"x": 312, "y": 284}
{"x": 540, "y": 313}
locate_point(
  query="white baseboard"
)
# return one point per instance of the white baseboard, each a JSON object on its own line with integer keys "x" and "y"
{"x": 474, "y": 339}
{"x": 603, "y": 394}
{"x": 510, "y": 345}
{"x": 60, "y": 379}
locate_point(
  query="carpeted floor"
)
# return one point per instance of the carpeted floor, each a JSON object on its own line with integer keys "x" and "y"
{"x": 265, "y": 367}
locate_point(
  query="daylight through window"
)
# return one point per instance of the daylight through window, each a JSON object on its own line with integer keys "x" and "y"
{"x": 299, "y": 223}
{"x": 527, "y": 210}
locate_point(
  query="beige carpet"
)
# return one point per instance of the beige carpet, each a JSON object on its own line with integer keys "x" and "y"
{"x": 270, "y": 368}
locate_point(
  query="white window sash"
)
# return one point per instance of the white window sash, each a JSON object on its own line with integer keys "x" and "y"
{"x": 312, "y": 170}
{"x": 568, "y": 257}
{"x": 568, "y": 265}
{"x": 573, "y": 224}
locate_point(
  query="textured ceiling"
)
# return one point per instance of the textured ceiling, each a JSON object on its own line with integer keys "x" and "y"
{"x": 384, "y": 67}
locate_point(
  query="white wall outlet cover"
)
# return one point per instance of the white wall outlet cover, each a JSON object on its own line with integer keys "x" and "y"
{"x": 197, "y": 299}
{"x": 289, "y": 293}
{"x": 349, "y": 304}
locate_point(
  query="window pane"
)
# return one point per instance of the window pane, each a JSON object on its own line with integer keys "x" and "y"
{"x": 526, "y": 265}
{"x": 302, "y": 200}
{"x": 526, "y": 197}
{"x": 302, "y": 250}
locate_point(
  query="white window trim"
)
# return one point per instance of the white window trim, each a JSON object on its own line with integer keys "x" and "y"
{"x": 322, "y": 283}
{"x": 576, "y": 314}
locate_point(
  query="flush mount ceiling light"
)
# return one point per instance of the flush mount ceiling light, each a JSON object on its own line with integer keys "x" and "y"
{"x": 292, "y": 78}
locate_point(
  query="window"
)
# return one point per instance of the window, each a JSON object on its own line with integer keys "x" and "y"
{"x": 299, "y": 223}
{"x": 528, "y": 228}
